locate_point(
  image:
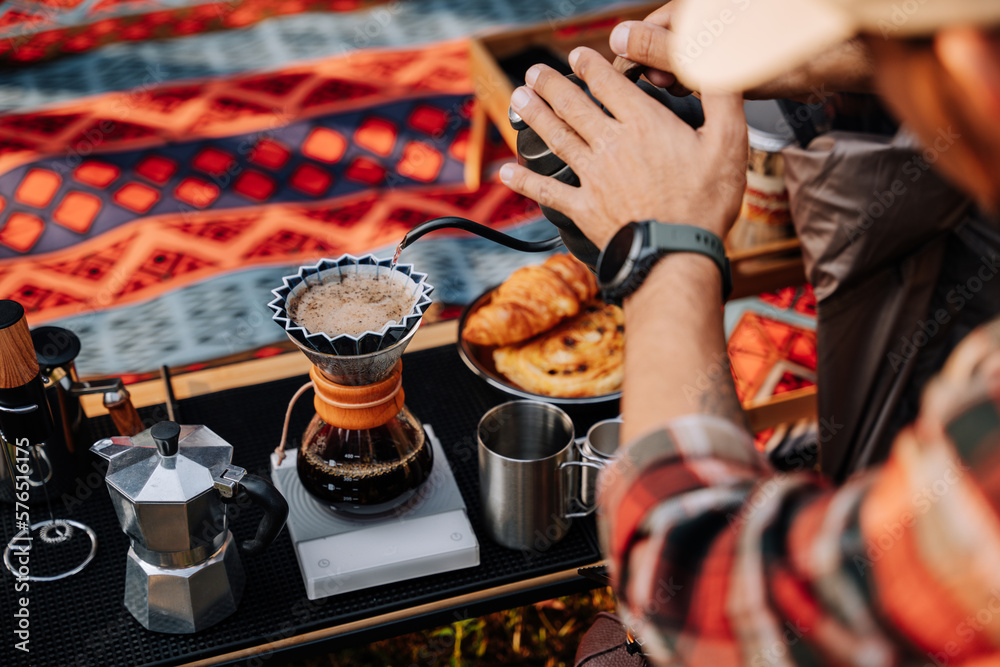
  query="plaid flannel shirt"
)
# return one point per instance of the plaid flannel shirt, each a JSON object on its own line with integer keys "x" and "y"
{"x": 717, "y": 559}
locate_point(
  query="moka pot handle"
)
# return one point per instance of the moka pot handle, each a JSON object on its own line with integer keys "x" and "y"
{"x": 275, "y": 507}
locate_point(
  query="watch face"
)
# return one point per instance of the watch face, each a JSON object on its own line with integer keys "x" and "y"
{"x": 614, "y": 264}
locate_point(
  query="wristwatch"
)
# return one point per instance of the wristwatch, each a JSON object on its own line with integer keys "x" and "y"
{"x": 638, "y": 246}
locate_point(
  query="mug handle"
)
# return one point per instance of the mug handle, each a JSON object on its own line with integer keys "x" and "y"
{"x": 588, "y": 457}
{"x": 587, "y": 510}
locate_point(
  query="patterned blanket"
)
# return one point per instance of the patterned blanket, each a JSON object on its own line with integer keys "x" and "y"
{"x": 153, "y": 191}
{"x": 160, "y": 170}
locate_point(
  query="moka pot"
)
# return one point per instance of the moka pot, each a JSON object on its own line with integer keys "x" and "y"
{"x": 169, "y": 486}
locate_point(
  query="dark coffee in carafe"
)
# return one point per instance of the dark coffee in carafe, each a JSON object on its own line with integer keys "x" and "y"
{"x": 363, "y": 470}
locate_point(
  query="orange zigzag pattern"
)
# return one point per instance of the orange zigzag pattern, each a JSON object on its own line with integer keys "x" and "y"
{"x": 137, "y": 261}
{"x": 155, "y": 114}
{"x": 150, "y": 255}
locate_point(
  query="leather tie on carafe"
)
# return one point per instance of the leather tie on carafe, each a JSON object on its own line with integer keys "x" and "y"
{"x": 360, "y": 407}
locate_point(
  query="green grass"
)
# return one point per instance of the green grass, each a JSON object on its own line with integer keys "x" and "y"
{"x": 545, "y": 634}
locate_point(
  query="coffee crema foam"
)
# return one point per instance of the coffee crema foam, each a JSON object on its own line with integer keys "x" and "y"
{"x": 352, "y": 304}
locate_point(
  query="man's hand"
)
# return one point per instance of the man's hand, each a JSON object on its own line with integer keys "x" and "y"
{"x": 846, "y": 68}
{"x": 644, "y": 163}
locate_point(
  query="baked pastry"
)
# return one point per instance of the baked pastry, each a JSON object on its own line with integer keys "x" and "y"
{"x": 576, "y": 275}
{"x": 534, "y": 299}
{"x": 583, "y": 356}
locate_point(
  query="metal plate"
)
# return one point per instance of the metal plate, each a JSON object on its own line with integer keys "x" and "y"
{"x": 479, "y": 359}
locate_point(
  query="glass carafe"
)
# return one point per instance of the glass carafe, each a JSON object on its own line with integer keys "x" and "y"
{"x": 363, "y": 451}
{"x": 366, "y": 470}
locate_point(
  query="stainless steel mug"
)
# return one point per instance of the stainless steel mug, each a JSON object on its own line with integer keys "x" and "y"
{"x": 598, "y": 450}
{"x": 529, "y": 496}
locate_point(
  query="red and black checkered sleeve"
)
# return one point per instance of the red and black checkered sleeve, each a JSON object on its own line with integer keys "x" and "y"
{"x": 719, "y": 560}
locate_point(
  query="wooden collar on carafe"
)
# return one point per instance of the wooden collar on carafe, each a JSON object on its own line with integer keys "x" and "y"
{"x": 361, "y": 407}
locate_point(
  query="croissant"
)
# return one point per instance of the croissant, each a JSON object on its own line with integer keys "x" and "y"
{"x": 576, "y": 274}
{"x": 534, "y": 299}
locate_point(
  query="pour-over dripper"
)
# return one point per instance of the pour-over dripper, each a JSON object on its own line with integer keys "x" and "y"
{"x": 363, "y": 452}
{"x": 333, "y": 269}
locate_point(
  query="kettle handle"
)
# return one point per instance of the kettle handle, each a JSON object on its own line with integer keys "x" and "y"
{"x": 275, "y": 507}
{"x": 454, "y": 222}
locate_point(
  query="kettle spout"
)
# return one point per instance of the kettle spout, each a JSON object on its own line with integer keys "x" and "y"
{"x": 108, "y": 448}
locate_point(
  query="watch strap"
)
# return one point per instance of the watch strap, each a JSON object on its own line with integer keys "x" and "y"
{"x": 688, "y": 238}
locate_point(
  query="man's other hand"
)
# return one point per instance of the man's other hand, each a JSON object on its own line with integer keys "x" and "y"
{"x": 845, "y": 68}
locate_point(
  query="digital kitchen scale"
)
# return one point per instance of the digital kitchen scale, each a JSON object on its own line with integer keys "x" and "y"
{"x": 428, "y": 534}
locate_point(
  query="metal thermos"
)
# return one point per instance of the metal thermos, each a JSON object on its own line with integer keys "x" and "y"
{"x": 26, "y": 426}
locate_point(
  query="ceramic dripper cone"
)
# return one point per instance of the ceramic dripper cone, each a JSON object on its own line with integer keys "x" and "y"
{"x": 349, "y": 359}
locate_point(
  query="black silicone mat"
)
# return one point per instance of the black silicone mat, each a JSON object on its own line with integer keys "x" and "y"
{"x": 82, "y": 620}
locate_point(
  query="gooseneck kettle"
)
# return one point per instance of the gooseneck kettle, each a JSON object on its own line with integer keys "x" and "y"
{"x": 539, "y": 158}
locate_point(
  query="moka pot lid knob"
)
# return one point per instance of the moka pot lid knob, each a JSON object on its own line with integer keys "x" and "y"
{"x": 166, "y": 435}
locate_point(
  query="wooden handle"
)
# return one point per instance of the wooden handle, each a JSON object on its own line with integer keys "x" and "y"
{"x": 358, "y": 408}
{"x": 124, "y": 414}
{"x": 18, "y": 364}
{"x": 630, "y": 69}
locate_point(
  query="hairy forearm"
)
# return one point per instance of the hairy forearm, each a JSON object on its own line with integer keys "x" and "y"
{"x": 675, "y": 354}
{"x": 845, "y": 68}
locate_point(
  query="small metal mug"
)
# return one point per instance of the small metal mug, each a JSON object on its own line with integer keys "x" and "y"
{"x": 528, "y": 491}
{"x": 597, "y": 451}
